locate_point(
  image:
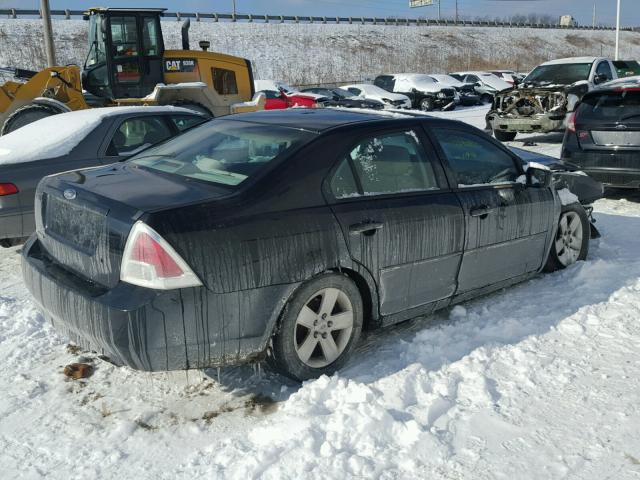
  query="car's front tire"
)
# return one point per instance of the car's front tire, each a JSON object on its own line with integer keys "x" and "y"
{"x": 571, "y": 242}
{"x": 427, "y": 104}
{"x": 318, "y": 328}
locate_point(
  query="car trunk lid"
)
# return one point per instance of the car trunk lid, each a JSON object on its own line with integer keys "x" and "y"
{"x": 83, "y": 218}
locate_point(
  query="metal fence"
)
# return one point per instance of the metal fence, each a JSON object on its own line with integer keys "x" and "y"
{"x": 230, "y": 17}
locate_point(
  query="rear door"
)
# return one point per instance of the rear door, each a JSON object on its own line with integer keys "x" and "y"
{"x": 506, "y": 223}
{"x": 399, "y": 219}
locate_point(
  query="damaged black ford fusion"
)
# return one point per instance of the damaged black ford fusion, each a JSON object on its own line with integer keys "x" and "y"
{"x": 282, "y": 234}
{"x": 543, "y": 99}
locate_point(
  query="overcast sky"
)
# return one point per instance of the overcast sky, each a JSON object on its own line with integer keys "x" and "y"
{"x": 582, "y": 10}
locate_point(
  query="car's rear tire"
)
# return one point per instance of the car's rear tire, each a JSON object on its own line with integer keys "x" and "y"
{"x": 26, "y": 115}
{"x": 571, "y": 242}
{"x": 427, "y": 104}
{"x": 318, "y": 328}
{"x": 505, "y": 136}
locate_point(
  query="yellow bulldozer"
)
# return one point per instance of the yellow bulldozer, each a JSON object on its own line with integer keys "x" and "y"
{"x": 127, "y": 64}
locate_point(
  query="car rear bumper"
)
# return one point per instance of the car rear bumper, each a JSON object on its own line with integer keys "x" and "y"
{"x": 614, "y": 168}
{"x": 148, "y": 329}
{"x": 615, "y": 177}
{"x": 10, "y": 225}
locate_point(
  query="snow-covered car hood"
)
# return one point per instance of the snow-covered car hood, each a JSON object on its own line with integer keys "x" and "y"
{"x": 495, "y": 82}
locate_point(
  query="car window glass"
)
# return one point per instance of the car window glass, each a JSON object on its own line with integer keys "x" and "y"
{"x": 150, "y": 40}
{"x": 392, "y": 163}
{"x": 472, "y": 79}
{"x": 183, "y": 122}
{"x": 225, "y": 152}
{"x": 355, "y": 91}
{"x": 475, "y": 160}
{"x": 224, "y": 81}
{"x": 343, "y": 184}
{"x": 604, "y": 69}
{"x": 136, "y": 134}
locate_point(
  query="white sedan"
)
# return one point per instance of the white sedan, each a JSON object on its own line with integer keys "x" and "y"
{"x": 371, "y": 92}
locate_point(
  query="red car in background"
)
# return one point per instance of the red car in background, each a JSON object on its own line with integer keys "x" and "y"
{"x": 280, "y": 96}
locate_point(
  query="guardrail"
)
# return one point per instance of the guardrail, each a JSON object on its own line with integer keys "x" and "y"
{"x": 217, "y": 17}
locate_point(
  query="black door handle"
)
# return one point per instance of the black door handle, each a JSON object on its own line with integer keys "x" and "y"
{"x": 365, "y": 228}
{"x": 481, "y": 211}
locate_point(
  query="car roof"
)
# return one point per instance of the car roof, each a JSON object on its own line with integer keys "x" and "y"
{"x": 563, "y": 61}
{"x": 321, "y": 119}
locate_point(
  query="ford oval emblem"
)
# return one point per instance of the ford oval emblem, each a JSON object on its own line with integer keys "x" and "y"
{"x": 69, "y": 194}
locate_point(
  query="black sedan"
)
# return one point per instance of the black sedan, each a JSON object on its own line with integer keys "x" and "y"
{"x": 339, "y": 97}
{"x": 71, "y": 141}
{"x": 603, "y": 134}
{"x": 282, "y": 234}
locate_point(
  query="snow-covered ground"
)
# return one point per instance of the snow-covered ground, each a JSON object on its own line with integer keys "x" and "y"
{"x": 539, "y": 381}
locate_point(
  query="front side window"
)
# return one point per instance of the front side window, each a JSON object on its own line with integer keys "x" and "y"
{"x": 385, "y": 164}
{"x": 136, "y": 134}
{"x": 224, "y": 81}
{"x": 355, "y": 91}
{"x": 124, "y": 36}
{"x": 475, "y": 160}
{"x": 224, "y": 152}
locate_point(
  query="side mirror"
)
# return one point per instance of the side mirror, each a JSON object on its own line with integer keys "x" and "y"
{"x": 602, "y": 78}
{"x": 104, "y": 28}
{"x": 478, "y": 84}
{"x": 538, "y": 177}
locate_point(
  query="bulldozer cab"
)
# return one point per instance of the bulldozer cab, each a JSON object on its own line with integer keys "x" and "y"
{"x": 125, "y": 52}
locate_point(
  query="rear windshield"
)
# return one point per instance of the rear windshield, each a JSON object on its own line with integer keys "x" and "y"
{"x": 561, "y": 74}
{"x": 627, "y": 68}
{"x": 611, "y": 107}
{"x": 223, "y": 151}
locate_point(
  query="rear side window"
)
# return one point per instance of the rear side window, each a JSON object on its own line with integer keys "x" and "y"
{"x": 224, "y": 81}
{"x": 475, "y": 160}
{"x": 183, "y": 122}
{"x": 136, "y": 134}
{"x": 623, "y": 106}
{"x": 384, "y": 164}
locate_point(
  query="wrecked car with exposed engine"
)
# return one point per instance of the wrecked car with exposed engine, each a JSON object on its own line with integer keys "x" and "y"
{"x": 540, "y": 104}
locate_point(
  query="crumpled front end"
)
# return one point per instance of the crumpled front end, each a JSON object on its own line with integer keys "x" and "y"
{"x": 529, "y": 110}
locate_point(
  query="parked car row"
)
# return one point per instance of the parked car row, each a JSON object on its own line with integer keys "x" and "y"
{"x": 397, "y": 91}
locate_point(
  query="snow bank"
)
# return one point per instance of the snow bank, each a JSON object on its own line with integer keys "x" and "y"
{"x": 57, "y": 135}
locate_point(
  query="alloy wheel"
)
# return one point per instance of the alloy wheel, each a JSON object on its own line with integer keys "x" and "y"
{"x": 323, "y": 327}
{"x": 569, "y": 238}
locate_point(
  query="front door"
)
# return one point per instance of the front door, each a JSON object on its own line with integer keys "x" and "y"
{"x": 507, "y": 223}
{"x": 136, "y": 55}
{"x": 399, "y": 219}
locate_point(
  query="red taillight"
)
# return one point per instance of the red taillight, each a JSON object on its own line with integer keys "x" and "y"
{"x": 147, "y": 250}
{"x": 571, "y": 122}
{"x": 8, "y": 189}
{"x": 149, "y": 261}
